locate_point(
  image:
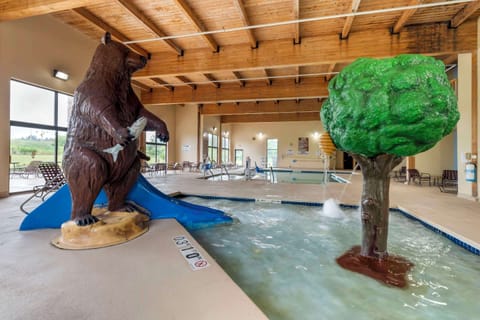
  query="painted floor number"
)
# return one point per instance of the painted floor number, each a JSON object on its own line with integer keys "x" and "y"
{"x": 190, "y": 253}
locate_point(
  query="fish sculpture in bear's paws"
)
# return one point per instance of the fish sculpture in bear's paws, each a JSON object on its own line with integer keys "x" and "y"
{"x": 135, "y": 130}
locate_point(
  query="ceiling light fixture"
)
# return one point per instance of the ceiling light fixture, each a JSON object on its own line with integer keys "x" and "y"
{"x": 60, "y": 75}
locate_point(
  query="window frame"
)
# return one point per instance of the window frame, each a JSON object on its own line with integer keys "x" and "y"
{"x": 268, "y": 158}
{"x": 212, "y": 147}
{"x": 32, "y": 125}
{"x": 225, "y": 149}
{"x": 157, "y": 144}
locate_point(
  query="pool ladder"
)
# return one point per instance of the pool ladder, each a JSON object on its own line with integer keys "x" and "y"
{"x": 272, "y": 175}
{"x": 224, "y": 167}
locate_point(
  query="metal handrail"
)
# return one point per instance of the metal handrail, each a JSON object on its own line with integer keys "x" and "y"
{"x": 272, "y": 175}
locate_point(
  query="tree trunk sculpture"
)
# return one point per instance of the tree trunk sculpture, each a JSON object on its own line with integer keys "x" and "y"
{"x": 372, "y": 257}
{"x": 381, "y": 110}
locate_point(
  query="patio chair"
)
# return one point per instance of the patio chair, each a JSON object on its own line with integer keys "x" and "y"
{"x": 186, "y": 165}
{"x": 54, "y": 179}
{"x": 161, "y": 168}
{"x": 449, "y": 181}
{"x": 417, "y": 177}
{"x": 31, "y": 169}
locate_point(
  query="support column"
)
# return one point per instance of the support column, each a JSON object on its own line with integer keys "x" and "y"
{"x": 467, "y": 125}
{"x": 4, "y": 133}
{"x": 199, "y": 132}
{"x": 410, "y": 163}
{"x": 475, "y": 117}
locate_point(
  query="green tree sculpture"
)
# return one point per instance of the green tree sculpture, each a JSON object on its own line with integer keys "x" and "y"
{"x": 379, "y": 111}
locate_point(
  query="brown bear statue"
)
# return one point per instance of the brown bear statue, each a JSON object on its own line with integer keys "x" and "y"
{"x": 104, "y": 106}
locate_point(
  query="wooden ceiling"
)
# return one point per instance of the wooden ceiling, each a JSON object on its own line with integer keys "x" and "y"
{"x": 261, "y": 60}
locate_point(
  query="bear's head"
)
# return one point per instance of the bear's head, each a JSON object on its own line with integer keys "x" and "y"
{"x": 116, "y": 57}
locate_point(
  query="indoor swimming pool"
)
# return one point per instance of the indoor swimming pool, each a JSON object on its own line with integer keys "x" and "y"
{"x": 283, "y": 257}
{"x": 283, "y": 176}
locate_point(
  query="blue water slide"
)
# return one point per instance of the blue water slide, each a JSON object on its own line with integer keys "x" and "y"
{"x": 56, "y": 209}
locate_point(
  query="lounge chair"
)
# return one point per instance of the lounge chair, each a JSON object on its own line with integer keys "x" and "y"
{"x": 54, "y": 179}
{"x": 449, "y": 181}
{"x": 417, "y": 177}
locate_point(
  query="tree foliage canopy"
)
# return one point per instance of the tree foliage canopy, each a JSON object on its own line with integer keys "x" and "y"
{"x": 401, "y": 106}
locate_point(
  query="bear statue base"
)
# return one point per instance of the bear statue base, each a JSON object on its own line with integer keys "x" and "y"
{"x": 112, "y": 228}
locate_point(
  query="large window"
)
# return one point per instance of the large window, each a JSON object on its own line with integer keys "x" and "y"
{"x": 212, "y": 150}
{"x": 38, "y": 126}
{"x": 225, "y": 150}
{"x": 155, "y": 149}
{"x": 239, "y": 157}
{"x": 272, "y": 152}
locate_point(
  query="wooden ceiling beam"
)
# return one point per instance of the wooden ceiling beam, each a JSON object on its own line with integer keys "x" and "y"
{"x": 330, "y": 70}
{"x": 297, "y": 78}
{"x": 405, "y": 16}
{"x": 271, "y": 117}
{"x": 19, "y": 9}
{"x": 163, "y": 84}
{"x": 99, "y": 23}
{"x": 285, "y": 106}
{"x": 212, "y": 80}
{"x": 244, "y": 17}
{"x": 195, "y": 21}
{"x": 348, "y": 22}
{"x": 432, "y": 39}
{"x": 141, "y": 86}
{"x": 149, "y": 25}
{"x": 296, "y": 26}
{"x": 280, "y": 90}
{"x": 187, "y": 82}
{"x": 464, "y": 14}
{"x": 267, "y": 76}
{"x": 450, "y": 59}
{"x": 238, "y": 76}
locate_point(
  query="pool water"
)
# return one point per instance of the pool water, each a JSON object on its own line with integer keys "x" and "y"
{"x": 284, "y": 176}
{"x": 283, "y": 257}
{"x": 305, "y": 177}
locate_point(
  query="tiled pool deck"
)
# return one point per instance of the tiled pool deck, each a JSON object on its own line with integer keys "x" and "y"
{"x": 147, "y": 278}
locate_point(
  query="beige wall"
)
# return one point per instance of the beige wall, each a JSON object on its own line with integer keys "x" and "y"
{"x": 186, "y": 133}
{"x": 246, "y": 136}
{"x": 29, "y": 50}
{"x": 440, "y": 157}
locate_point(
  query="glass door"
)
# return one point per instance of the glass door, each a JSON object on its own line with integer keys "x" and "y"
{"x": 272, "y": 152}
{"x": 239, "y": 157}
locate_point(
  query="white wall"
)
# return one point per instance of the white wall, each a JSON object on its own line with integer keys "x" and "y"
{"x": 29, "y": 50}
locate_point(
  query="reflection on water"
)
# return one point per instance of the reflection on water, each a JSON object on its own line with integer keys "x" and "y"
{"x": 283, "y": 257}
